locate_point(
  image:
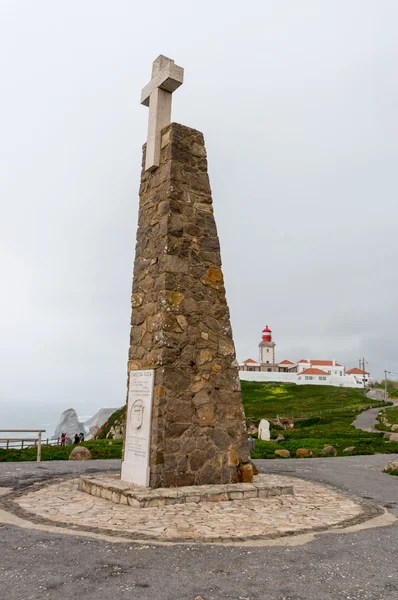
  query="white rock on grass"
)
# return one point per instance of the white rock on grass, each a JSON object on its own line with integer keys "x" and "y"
{"x": 263, "y": 430}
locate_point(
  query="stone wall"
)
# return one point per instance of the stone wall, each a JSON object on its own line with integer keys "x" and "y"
{"x": 181, "y": 326}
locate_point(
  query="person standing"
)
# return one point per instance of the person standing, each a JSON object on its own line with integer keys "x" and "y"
{"x": 63, "y": 439}
{"x": 77, "y": 438}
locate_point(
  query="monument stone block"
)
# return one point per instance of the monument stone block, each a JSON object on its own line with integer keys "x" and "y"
{"x": 180, "y": 326}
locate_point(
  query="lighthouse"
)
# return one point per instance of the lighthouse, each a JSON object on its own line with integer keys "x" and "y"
{"x": 267, "y": 351}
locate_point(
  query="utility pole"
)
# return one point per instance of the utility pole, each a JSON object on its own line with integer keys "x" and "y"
{"x": 364, "y": 375}
{"x": 385, "y": 385}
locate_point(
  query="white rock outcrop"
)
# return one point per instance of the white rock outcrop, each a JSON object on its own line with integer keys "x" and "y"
{"x": 69, "y": 424}
{"x": 96, "y": 422}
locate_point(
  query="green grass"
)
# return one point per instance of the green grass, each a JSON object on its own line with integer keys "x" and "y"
{"x": 316, "y": 433}
{"x": 98, "y": 448}
{"x": 391, "y": 414}
{"x": 262, "y": 400}
{"x": 391, "y": 472}
{"x": 333, "y": 410}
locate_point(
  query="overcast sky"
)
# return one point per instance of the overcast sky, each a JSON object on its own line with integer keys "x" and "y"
{"x": 298, "y": 105}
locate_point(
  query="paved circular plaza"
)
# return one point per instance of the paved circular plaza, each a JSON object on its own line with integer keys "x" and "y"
{"x": 312, "y": 508}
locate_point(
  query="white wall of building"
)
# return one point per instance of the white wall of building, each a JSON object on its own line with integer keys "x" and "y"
{"x": 336, "y": 380}
{"x": 265, "y": 376}
{"x": 359, "y": 378}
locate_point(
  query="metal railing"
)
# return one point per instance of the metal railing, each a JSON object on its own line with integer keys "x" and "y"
{"x": 10, "y": 442}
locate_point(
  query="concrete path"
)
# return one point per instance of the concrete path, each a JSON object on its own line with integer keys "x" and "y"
{"x": 359, "y": 565}
{"x": 367, "y": 420}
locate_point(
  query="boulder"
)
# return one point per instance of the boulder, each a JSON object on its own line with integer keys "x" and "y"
{"x": 387, "y": 435}
{"x": 349, "y": 449}
{"x": 283, "y": 453}
{"x": 304, "y": 453}
{"x": 394, "y": 437}
{"x": 280, "y": 438}
{"x": 263, "y": 430}
{"x": 80, "y": 453}
{"x": 391, "y": 466}
{"x": 394, "y": 428}
{"x": 329, "y": 451}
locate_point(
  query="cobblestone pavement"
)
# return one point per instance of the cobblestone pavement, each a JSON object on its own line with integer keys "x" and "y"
{"x": 313, "y": 507}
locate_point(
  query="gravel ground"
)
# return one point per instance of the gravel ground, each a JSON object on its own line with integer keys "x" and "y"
{"x": 36, "y": 564}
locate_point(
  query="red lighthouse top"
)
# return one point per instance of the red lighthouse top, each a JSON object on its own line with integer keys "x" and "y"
{"x": 267, "y": 334}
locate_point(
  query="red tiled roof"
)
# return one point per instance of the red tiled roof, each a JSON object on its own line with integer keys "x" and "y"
{"x": 286, "y": 362}
{"x": 326, "y": 363}
{"x": 313, "y": 372}
{"x": 356, "y": 371}
{"x": 250, "y": 360}
{"x": 303, "y": 360}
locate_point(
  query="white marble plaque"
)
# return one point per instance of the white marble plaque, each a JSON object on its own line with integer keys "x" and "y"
{"x": 137, "y": 444}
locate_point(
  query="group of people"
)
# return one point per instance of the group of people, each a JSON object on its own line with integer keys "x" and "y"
{"x": 79, "y": 437}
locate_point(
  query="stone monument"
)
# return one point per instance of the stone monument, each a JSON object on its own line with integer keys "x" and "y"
{"x": 185, "y": 419}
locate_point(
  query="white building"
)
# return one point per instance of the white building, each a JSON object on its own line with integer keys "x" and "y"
{"x": 304, "y": 371}
{"x": 359, "y": 375}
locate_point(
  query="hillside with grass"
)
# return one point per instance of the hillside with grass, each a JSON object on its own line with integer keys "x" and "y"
{"x": 267, "y": 400}
{"x": 320, "y": 416}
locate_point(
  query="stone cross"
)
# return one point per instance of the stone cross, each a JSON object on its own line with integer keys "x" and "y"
{"x": 166, "y": 78}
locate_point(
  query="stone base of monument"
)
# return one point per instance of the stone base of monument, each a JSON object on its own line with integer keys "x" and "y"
{"x": 117, "y": 491}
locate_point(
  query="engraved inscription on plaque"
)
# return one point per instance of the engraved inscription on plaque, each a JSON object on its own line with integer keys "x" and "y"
{"x": 135, "y": 466}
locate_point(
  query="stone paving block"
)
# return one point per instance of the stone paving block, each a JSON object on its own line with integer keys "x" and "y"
{"x": 235, "y": 495}
{"x": 250, "y": 494}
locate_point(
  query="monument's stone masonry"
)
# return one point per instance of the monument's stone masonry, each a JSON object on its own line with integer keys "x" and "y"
{"x": 181, "y": 326}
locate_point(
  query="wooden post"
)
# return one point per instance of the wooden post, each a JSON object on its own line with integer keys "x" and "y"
{"x": 8, "y": 441}
{"x": 39, "y": 448}
{"x": 22, "y": 445}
